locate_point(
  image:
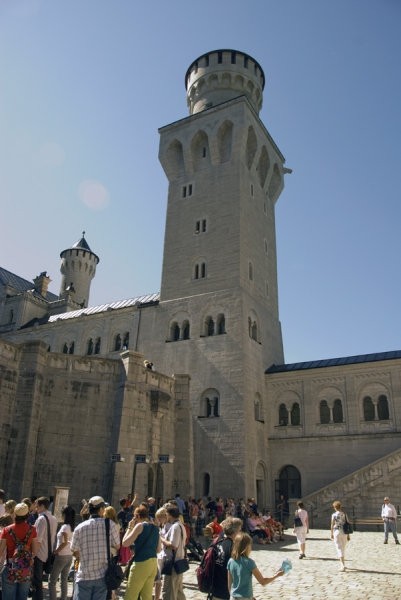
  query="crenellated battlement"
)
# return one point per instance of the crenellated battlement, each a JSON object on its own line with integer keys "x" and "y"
{"x": 221, "y": 75}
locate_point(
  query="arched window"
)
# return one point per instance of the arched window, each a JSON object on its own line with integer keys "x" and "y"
{"x": 174, "y": 332}
{"x": 65, "y": 349}
{"x": 221, "y": 324}
{"x": 254, "y": 331}
{"x": 97, "y": 345}
{"x": 212, "y": 406}
{"x": 90, "y": 347}
{"x": 324, "y": 412}
{"x": 71, "y": 348}
{"x": 338, "y": 411}
{"x": 126, "y": 341}
{"x": 250, "y": 271}
{"x": 258, "y": 408}
{"x": 368, "y": 409}
{"x": 382, "y": 408}
{"x": 117, "y": 342}
{"x": 295, "y": 414}
{"x": 11, "y": 316}
{"x": 185, "y": 330}
{"x": 209, "y": 326}
{"x": 282, "y": 415}
{"x": 210, "y": 403}
{"x": 196, "y": 272}
{"x": 203, "y": 270}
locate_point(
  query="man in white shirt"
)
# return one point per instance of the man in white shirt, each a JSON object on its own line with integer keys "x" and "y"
{"x": 389, "y": 516}
{"x": 45, "y": 524}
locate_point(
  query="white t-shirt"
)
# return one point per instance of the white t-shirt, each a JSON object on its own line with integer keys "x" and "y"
{"x": 66, "y": 551}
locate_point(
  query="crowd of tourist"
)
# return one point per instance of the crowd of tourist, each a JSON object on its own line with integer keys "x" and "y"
{"x": 142, "y": 535}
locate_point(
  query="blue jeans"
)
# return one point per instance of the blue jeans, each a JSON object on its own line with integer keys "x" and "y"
{"x": 390, "y": 527}
{"x": 14, "y": 591}
{"x": 93, "y": 589}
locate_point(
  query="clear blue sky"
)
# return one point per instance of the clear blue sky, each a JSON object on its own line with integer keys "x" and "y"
{"x": 85, "y": 85}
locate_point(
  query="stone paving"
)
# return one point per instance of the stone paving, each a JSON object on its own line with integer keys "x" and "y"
{"x": 373, "y": 570}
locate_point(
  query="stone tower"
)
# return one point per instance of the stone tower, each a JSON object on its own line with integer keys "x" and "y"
{"x": 78, "y": 268}
{"x": 219, "y": 281}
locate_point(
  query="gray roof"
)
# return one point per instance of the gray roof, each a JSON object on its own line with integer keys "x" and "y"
{"x": 20, "y": 285}
{"x": 148, "y": 299}
{"x": 335, "y": 362}
{"x": 81, "y": 244}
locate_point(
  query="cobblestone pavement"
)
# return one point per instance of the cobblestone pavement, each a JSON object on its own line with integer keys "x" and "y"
{"x": 373, "y": 570}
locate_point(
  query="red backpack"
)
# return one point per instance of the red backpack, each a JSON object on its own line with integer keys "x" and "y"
{"x": 205, "y": 571}
{"x": 20, "y": 564}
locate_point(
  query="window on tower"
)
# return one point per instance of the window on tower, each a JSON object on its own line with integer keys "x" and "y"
{"x": 210, "y": 404}
{"x": 187, "y": 190}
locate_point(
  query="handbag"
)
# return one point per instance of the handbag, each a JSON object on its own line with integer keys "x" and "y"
{"x": 181, "y": 565}
{"x": 114, "y": 574}
{"x": 48, "y": 565}
{"x": 298, "y": 520}
{"x": 347, "y": 527}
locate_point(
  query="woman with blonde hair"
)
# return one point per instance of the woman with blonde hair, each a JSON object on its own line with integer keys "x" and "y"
{"x": 241, "y": 567}
{"x": 340, "y": 538}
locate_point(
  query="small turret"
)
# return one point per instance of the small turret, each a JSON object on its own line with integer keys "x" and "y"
{"x": 78, "y": 268}
{"x": 221, "y": 75}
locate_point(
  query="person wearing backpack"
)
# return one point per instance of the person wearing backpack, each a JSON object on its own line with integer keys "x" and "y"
{"x": 212, "y": 572}
{"x": 21, "y": 544}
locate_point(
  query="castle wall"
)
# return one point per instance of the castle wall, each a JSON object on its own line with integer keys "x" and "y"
{"x": 63, "y": 417}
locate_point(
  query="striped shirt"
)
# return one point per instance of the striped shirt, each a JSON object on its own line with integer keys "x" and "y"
{"x": 89, "y": 539}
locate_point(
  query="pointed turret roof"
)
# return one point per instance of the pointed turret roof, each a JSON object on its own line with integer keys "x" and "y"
{"x": 81, "y": 244}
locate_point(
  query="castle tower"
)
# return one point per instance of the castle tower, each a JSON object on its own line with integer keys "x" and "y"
{"x": 219, "y": 296}
{"x": 78, "y": 268}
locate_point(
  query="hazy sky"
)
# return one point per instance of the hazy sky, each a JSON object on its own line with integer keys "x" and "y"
{"x": 85, "y": 85}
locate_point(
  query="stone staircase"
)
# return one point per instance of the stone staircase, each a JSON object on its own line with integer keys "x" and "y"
{"x": 360, "y": 492}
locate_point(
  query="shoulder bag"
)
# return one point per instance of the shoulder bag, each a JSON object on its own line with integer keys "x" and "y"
{"x": 181, "y": 565}
{"x": 347, "y": 527}
{"x": 297, "y": 520}
{"x": 48, "y": 565}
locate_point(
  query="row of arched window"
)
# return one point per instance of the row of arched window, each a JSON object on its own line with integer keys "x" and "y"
{"x": 93, "y": 345}
{"x": 373, "y": 410}
{"x": 210, "y": 327}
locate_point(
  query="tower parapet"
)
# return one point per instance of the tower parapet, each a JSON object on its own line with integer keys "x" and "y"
{"x": 78, "y": 268}
{"x": 221, "y": 75}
